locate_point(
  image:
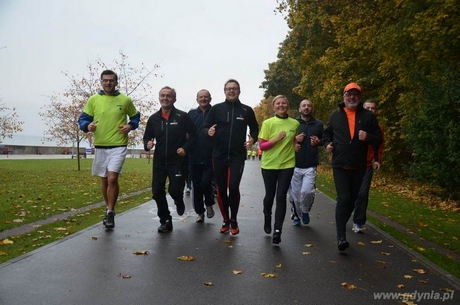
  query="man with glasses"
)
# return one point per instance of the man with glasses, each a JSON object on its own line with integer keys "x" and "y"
{"x": 227, "y": 125}
{"x": 105, "y": 114}
{"x": 349, "y": 132}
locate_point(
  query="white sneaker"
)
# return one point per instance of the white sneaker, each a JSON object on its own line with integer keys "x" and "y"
{"x": 357, "y": 228}
{"x": 200, "y": 218}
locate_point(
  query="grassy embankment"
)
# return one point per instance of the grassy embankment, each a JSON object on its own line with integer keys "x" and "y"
{"x": 411, "y": 214}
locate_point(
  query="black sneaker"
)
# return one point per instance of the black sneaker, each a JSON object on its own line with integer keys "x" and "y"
{"x": 180, "y": 208}
{"x": 268, "y": 224}
{"x": 342, "y": 244}
{"x": 165, "y": 227}
{"x": 277, "y": 237}
{"x": 109, "y": 220}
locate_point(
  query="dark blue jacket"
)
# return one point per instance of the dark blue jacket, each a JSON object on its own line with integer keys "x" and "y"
{"x": 203, "y": 148}
{"x": 307, "y": 156}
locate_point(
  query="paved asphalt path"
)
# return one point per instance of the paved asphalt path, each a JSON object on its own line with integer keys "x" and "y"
{"x": 98, "y": 266}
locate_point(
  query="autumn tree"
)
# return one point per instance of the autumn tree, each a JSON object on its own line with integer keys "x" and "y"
{"x": 264, "y": 110}
{"x": 62, "y": 113}
{"x": 405, "y": 56}
{"x": 9, "y": 122}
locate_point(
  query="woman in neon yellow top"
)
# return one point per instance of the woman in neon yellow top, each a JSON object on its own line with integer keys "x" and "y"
{"x": 277, "y": 141}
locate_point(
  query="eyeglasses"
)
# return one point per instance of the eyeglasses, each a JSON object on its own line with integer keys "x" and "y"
{"x": 108, "y": 80}
{"x": 232, "y": 89}
{"x": 348, "y": 94}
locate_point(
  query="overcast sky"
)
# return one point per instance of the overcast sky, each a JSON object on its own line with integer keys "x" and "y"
{"x": 197, "y": 43}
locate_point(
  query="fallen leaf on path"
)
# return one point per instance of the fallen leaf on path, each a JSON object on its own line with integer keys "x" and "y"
{"x": 420, "y": 271}
{"x": 423, "y": 281}
{"x": 94, "y": 238}
{"x": 126, "y": 276}
{"x": 309, "y": 245}
{"x": 406, "y": 276}
{"x": 208, "y": 284}
{"x": 237, "y": 271}
{"x": 268, "y": 275}
{"x": 446, "y": 290}
{"x": 278, "y": 266}
{"x": 227, "y": 241}
{"x": 400, "y": 286}
{"x": 348, "y": 286}
{"x": 376, "y": 241}
{"x": 381, "y": 262}
{"x": 360, "y": 243}
{"x": 186, "y": 258}
{"x": 141, "y": 252}
{"x": 385, "y": 253}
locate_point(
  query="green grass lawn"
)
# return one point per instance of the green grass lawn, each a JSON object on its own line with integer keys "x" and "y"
{"x": 36, "y": 189}
{"x": 32, "y": 190}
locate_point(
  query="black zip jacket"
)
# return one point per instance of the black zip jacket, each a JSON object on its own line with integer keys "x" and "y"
{"x": 203, "y": 148}
{"x": 232, "y": 120}
{"x": 307, "y": 156}
{"x": 169, "y": 135}
{"x": 350, "y": 153}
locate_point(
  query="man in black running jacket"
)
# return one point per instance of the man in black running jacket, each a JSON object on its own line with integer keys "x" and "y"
{"x": 227, "y": 125}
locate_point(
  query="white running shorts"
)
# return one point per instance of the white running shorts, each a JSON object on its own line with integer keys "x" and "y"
{"x": 108, "y": 160}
